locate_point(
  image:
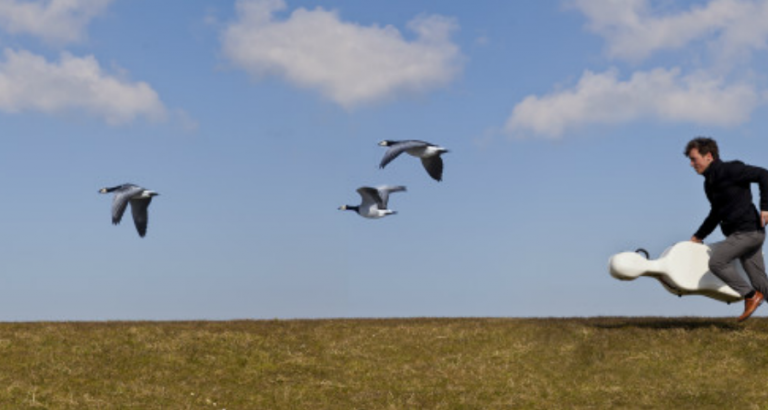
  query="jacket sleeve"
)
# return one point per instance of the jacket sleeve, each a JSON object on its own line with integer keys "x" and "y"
{"x": 709, "y": 225}
{"x": 758, "y": 175}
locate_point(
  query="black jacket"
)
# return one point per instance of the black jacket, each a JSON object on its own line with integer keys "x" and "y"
{"x": 727, "y": 185}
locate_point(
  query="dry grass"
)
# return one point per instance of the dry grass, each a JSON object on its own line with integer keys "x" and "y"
{"x": 386, "y": 364}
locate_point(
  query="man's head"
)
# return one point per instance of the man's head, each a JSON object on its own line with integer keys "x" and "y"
{"x": 702, "y": 151}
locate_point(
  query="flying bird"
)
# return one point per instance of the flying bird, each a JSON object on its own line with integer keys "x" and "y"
{"x": 374, "y": 203}
{"x": 429, "y": 154}
{"x": 139, "y": 199}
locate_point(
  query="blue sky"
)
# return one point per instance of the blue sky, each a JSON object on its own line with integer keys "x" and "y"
{"x": 256, "y": 119}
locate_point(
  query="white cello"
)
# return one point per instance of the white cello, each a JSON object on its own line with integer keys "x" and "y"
{"x": 683, "y": 269}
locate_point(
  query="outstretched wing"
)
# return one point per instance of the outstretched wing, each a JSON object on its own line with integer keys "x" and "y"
{"x": 398, "y": 148}
{"x": 370, "y": 197}
{"x": 120, "y": 202}
{"x": 384, "y": 192}
{"x": 434, "y": 167}
{"x": 140, "y": 215}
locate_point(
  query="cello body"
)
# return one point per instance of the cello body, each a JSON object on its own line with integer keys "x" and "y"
{"x": 683, "y": 269}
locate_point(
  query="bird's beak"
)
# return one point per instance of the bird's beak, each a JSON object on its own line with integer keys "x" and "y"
{"x": 103, "y": 191}
{"x": 343, "y": 208}
{"x": 383, "y": 143}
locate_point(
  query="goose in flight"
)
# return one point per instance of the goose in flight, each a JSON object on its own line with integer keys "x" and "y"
{"x": 139, "y": 199}
{"x": 374, "y": 203}
{"x": 429, "y": 154}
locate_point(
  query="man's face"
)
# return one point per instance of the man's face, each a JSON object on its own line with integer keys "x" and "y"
{"x": 699, "y": 162}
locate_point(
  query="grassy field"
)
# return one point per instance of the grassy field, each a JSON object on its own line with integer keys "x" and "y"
{"x": 386, "y": 364}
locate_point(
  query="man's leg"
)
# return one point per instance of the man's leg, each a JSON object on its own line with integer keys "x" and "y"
{"x": 734, "y": 246}
{"x": 754, "y": 264}
{"x": 738, "y": 245}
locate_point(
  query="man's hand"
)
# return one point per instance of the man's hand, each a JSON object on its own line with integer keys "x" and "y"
{"x": 697, "y": 240}
{"x": 764, "y": 218}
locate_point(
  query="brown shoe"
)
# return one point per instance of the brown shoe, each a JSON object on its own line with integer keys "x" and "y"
{"x": 750, "y": 305}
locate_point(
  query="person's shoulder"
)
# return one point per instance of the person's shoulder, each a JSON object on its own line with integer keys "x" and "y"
{"x": 737, "y": 167}
{"x": 726, "y": 169}
{"x": 733, "y": 165}
{"x": 734, "y": 162}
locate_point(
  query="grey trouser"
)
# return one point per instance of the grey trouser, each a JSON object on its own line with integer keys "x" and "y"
{"x": 747, "y": 247}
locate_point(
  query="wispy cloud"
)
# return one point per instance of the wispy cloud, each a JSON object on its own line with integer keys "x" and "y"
{"x": 29, "y": 82}
{"x": 664, "y": 95}
{"x": 54, "y": 21}
{"x": 348, "y": 63}
{"x": 633, "y": 30}
{"x": 727, "y": 31}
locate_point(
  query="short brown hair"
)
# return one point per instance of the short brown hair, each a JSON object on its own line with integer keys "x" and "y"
{"x": 704, "y": 145}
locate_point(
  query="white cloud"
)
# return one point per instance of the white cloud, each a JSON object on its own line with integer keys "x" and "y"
{"x": 55, "y": 21}
{"x": 348, "y": 63}
{"x": 30, "y": 83}
{"x": 634, "y": 30}
{"x": 731, "y": 30}
{"x": 185, "y": 121}
{"x": 659, "y": 94}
